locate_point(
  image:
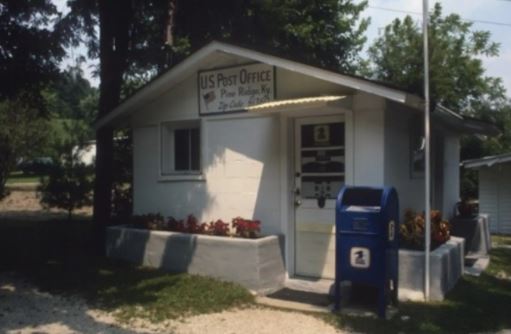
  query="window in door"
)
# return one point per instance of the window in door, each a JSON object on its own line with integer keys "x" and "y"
{"x": 322, "y": 160}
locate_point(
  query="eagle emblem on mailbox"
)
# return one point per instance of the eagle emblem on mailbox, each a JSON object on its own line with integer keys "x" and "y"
{"x": 360, "y": 257}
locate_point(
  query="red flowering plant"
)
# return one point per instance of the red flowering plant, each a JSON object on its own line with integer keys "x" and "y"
{"x": 246, "y": 228}
{"x": 411, "y": 232}
{"x": 192, "y": 225}
{"x": 219, "y": 228}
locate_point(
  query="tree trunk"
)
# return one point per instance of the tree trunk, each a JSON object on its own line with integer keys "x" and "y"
{"x": 115, "y": 19}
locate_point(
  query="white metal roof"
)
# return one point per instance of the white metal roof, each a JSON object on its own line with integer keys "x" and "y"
{"x": 487, "y": 161}
{"x": 305, "y": 102}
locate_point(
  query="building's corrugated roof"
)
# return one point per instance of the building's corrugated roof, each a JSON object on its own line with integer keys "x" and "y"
{"x": 305, "y": 101}
{"x": 487, "y": 161}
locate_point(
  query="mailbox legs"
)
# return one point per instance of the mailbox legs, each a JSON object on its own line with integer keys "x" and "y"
{"x": 381, "y": 300}
{"x": 337, "y": 303}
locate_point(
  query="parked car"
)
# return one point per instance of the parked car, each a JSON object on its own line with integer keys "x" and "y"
{"x": 36, "y": 166}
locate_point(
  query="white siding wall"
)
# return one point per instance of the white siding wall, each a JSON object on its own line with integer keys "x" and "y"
{"x": 397, "y": 164}
{"x": 241, "y": 163}
{"x": 451, "y": 177}
{"x": 178, "y": 104}
{"x": 495, "y": 196}
{"x": 242, "y": 169}
{"x": 397, "y": 159}
{"x": 368, "y": 123}
{"x": 241, "y": 172}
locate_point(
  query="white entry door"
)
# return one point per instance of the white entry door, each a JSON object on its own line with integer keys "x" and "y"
{"x": 319, "y": 175}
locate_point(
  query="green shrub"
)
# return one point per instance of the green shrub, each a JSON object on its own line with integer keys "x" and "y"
{"x": 68, "y": 186}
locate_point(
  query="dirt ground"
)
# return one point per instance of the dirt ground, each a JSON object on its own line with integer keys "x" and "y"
{"x": 26, "y": 310}
{"x": 23, "y": 203}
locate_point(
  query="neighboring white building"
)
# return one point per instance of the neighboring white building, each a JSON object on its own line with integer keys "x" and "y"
{"x": 231, "y": 131}
{"x": 86, "y": 153}
{"x": 494, "y": 189}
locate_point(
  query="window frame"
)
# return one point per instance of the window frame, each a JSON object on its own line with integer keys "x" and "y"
{"x": 167, "y": 165}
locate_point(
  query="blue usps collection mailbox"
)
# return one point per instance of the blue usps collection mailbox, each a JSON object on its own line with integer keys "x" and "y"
{"x": 367, "y": 221}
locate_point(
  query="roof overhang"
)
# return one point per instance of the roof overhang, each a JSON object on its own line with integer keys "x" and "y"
{"x": 192, "y": 64}
{"x": 464, "y": 124}
{"x": 487, "y": 161}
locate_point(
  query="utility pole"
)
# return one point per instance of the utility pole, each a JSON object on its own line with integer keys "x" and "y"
{"x": 427, "y": 169}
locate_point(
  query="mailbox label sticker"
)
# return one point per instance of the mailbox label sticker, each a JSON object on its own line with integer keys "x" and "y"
{"x": 360, "y": 257}
{"x": 392, "y": 229}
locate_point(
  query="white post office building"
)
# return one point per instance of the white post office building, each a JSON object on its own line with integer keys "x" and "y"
{"x": 232, "y": 131}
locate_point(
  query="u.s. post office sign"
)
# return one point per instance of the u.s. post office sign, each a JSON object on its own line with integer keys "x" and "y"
{"x": 234, "y": 89}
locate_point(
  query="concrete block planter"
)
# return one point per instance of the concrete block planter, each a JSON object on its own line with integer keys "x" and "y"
{"x": 447, "y": 263}
{"x": 257, "y": 264}
{"x": 475, "y": 231}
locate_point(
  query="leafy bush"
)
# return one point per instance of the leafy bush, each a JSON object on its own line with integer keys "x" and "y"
{"x": 412, "y": 231}
{"x": 68, "y": 186}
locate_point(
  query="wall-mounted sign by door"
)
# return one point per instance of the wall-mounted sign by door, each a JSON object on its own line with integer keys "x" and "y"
{"x": 234, "y": 89}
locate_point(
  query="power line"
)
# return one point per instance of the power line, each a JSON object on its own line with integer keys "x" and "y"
{"x": 504, "y": 24}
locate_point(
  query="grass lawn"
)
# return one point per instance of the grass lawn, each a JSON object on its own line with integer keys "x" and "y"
{"x": 19, "y": 177}
{"x": 501, "y": 239}
{"x": 476, "y": 304}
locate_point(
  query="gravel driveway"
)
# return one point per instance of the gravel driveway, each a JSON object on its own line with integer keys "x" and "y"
{"x": 24, "y": 309}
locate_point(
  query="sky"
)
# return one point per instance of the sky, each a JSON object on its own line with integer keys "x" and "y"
{"x": 383, "y": 12}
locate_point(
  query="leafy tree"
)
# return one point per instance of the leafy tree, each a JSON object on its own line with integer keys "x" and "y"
{"x": 457, "y": 75}
{"x": 22, "y": 132}
{"x": 328, "y": 33}
{"x": 66, "y": 95}
{"x": 31, "y": 47}
{"x": 72, "y": 108}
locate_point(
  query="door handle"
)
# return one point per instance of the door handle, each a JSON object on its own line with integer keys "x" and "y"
{"x": 298, "y": 201}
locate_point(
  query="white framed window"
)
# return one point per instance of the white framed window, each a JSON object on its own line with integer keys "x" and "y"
{"x": 180, "y": 148}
